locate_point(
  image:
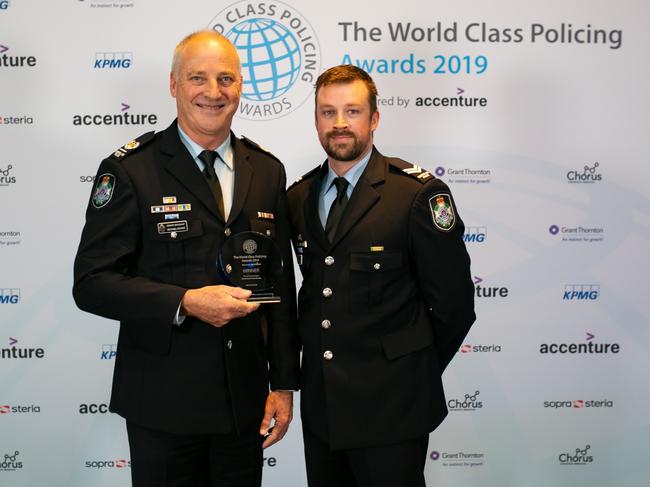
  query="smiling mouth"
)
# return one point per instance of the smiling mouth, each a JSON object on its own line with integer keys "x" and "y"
{"x": 213, "y": 108}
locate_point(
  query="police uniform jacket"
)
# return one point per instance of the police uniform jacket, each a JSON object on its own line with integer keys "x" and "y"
{"x": 383, "y": 308}
{"x": 132, "y": 267}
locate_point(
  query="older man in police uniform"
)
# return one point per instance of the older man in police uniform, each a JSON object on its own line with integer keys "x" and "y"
{"x": 194, "y": 357}
{"x": 386, "y": 297}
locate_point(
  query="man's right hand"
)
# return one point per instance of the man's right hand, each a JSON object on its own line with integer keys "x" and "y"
{"x": 217, "y": 305}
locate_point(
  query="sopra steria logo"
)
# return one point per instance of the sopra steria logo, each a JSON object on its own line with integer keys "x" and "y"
{"x": 280, "y": 56}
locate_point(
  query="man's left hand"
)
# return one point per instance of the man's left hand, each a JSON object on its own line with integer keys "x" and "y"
{"x": 279, "y": 406}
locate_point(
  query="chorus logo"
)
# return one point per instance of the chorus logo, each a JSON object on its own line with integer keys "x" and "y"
{"x": 581, "y": 456}
{"x": 280, "y": 56}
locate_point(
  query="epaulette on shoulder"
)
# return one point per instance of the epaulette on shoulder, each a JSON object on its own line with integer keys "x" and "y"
{"x": 304, "y": 177}
{"x": 412, "y": 170}
{"x": 133, "y": 146}
{"x": 255, "y": 146}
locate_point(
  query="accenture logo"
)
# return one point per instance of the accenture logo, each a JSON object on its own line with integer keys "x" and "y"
{"x": 280, "y": 56}
{"x": 581, "y": 292}
{"x": 93, "y": 408}
{"x": 123, "y": 118}
{"x": 482, "y": 291}
{"x": 9, "y": 61}
{"x": 14, "y": 352}
{"x": 579, "y": 404}
{"x": 587, "y": 347}
{"x": 113, "y": 60}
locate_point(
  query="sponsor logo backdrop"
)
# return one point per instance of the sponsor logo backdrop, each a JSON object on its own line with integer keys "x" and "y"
{"x": 535, "y": 114}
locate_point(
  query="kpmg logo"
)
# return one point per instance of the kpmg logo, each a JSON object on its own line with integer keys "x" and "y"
{"x": 113, "y": 60}
{"x": 589, "y": 346}
{"x": 458, "y": 458}
{"x": 109, "y": 351}
{"x": 14, "y": 352}
{"x": 123, "y": 118}
{"x": 588, "y": 174}
{"x": 17, "y": 61}
{"x": 19, "y": 409}
{"x": 475, "y": 234}
{"x": 100, "y": 464}
{"x": 10, "y": 463}
{"x": 581, "y": 456}
{"x": 464, "y": 175}
{"x": 578, "y": 233}
{"x": 4, "y": 4}
{"x": 581, "y": 292}
{"x": 6, "y": 175}
{"x": 9, "y": 296}
{"x": 280, "y": 56}
{"x": 482, "y": 291}
{"x": 469, "y": 348}
{"x": 469, "y": 403}
{"x": 579, "y": 404}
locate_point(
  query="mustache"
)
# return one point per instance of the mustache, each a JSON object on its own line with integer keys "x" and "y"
{"x": 337, "y": 133}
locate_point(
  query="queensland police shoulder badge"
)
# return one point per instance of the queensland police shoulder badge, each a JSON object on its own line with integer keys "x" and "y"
{"x": 103, "y": 190}
{"x": 442, "y": 212}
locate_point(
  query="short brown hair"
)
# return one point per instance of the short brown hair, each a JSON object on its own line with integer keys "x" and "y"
{"x": 347, "y": 73}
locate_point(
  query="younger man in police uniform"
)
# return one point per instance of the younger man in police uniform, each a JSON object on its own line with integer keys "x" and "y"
{"x": 386, "y": 297}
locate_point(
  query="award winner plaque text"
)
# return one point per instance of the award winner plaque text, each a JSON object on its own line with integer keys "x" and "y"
{"x": 252, "y": 261}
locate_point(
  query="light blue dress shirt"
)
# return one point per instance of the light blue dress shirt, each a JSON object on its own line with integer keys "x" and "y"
{"x": 328, "y": 188}
{"x": 224, "y": 167}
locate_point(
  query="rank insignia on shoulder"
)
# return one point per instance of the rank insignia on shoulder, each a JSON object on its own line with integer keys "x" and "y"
{"x": 130, "y": 147}
{"x": 442, "y": 212}
{"x": 103, "y": 190}
{"x": 417, "y": 172}
{"x": 255, "y": 145}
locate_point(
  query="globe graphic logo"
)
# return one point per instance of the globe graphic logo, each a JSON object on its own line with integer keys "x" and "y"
{"x": 270, "y": 58}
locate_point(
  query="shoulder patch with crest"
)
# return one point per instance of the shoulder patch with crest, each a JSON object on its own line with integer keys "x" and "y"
{"x": 304, "y": 177}
{"x": 412, "y": 170}
{"x": 442, "y": 212}
{"x": 104, "y": 189}
{"x": 132, "y": 146}
{"x": 255, "y": 146}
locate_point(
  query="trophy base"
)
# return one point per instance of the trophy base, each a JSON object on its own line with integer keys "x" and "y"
{"x": 264, "y": 298}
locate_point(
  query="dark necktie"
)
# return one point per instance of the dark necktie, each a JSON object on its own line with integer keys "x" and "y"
{"x": 336, "y": 210}
{"x": 208, "y": 157}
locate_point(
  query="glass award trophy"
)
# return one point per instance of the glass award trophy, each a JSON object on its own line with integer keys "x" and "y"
{"x": 252, "y": 261}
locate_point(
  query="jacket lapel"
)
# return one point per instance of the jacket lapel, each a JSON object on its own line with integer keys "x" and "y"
{"x": 243, "y": 177}
{"x": 185, "y": 170}
{"x": 364, "y": 196}
{"x": 310, "y": 209}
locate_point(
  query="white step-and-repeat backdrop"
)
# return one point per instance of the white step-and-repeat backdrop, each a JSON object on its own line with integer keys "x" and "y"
{"x": 535, "y": 113}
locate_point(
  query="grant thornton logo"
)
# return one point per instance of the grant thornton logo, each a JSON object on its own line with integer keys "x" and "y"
{"x": 280, "y": 56}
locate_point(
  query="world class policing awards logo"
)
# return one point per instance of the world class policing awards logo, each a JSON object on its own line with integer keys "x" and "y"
{"x": 280, "y": 56}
